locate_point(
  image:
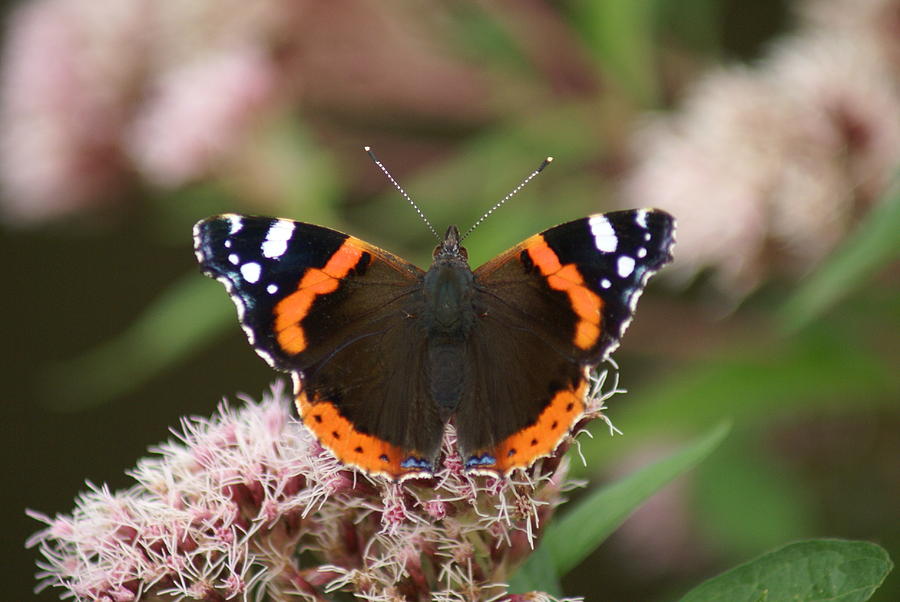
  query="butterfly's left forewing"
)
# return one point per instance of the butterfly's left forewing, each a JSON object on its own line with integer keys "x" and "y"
{"x": 325, "y": 306}
{"x": 262, "y": 263}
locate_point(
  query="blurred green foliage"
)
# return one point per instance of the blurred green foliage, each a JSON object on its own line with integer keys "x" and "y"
{"x": 571, "y": 539}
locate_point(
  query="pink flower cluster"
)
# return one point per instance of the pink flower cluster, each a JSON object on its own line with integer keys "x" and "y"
{"x": 99, "y": 95}
{"x": 93, "y": 90}
{"x": 768, "y": 167}
{"x": 247, "y": 505}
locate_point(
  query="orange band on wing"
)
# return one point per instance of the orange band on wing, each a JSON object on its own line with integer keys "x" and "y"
{"x": 348, "y": 445}
{"x": 586, "y": 303}
{"x": 291, "y": 310}
{"x": 521, "y": 449}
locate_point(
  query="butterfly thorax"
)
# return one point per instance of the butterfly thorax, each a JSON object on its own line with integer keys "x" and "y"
{"x": 448, "y": 317}
{"x": 448, "y": 290}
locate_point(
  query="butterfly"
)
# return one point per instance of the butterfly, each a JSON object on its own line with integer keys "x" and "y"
{"x": 384, "y": 354}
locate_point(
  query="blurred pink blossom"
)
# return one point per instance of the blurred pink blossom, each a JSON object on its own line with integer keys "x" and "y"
{"x": 224, "y": 511}
{"x": 93, "y": 90}
{"x": 63, "y": 104}
{"x": 874, "y": 24}
{"x": 767, "y": 168}
{"x": 198, "y": 112}
{"x": 98, "y": 94}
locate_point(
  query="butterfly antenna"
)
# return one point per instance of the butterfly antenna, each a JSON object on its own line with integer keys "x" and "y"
{"x": 372, "y": 156}
{"x": 513, "y": 193}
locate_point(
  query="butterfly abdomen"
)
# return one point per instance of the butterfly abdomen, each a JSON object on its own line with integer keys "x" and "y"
{"x": 448, "y": 319}
{"x": 447, "y": 374}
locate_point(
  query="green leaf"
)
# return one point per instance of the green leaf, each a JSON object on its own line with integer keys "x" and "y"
{"x": 815, "y": 368}
{"x": 575, "y": 535}
{"x": 538, "y": 574}
{"x": 824, "y": 569}
{"x": 620, "y": 34}
{"x": 731, "y": 486}
{"x": 476, "y": 33}
{"x": 182, "y": 319}
{"x": 697, "y": 24}
{"x": 873, "y": 245}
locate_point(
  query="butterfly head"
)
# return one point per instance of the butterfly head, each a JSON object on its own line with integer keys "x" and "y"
{"x": 450, "y": 247}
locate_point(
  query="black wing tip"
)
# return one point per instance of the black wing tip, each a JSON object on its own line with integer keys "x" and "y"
{"x": 206, "y": 232}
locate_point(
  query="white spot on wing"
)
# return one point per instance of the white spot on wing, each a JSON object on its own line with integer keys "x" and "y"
{"x": 236, "y": 223}
{"x": 251, "y": 272}
{"x": 641, "y": 218}
{"x": 605, "y": 283}
{"x": 228, "y": 244}
{"x": 642, "y": 252}
{"x": 604, "y": 236}
{"x": 625, "y": 266}
{"x": 234, "y": 259}
{"x": 272, "y": 289}
{"x": 277, "y": 238}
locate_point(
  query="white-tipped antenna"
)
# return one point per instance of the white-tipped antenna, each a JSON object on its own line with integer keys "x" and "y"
{"x": 515, "y": 191}
{"x": 372, "y": 156}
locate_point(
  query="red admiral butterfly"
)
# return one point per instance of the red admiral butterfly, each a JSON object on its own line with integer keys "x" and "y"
{"x": 384, "y": 354}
